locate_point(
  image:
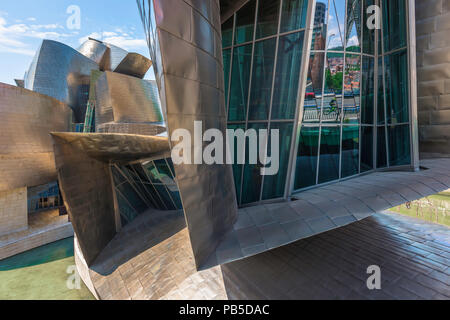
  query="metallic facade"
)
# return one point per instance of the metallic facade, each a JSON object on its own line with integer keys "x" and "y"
{"x": 185, "y": 47}
{"x": 26, "y": 152}
{"x": 124, "y": 99}
{"x": 84, "y": 173}
{"x": 62, "y": 73}
{"x": 433, "y": 73}
{"x": 112, "y": 58}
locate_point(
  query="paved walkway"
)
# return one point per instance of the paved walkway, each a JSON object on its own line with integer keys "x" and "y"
{"x": 325, "y": 208}
{"x": 152, "y": 259}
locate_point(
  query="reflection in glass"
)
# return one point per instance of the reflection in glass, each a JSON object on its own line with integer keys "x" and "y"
{"x": 352, "y": 83}
{"x": 293, "y": 15}
{"x": 227, "y": 32}
{"x": 262, "y": 77}
{"x": 320, "y": 26}
{"x": 353, "y": 30}
{"x": 274, "y": 186}
{"x": 397, "y": 102}
{"x": 381, "y": 148}
{"x": 290, "y": 49}
{"x": 394, "y": 24}
{"x": 237, "y": 168}
{"x": 332, "y": 98}
{"x": 240, "y": 76}
{"x": 368, "y": 34}
{"x": 306, "y": 163}
{"x": 251, "y": 186}
{"x": 380, "y": 97}
{"x": 268, "y": 16}
{"x": 367, "y": 93}
{"x": 399, "y": 145}
{"x": 313, "y": 95}
{"x": 226, "y": 71}
{"x": 336, "y": 23}
{"x": 366, "y": 149}
{"x": 330, "y": 145}
{"x": 350, "y": 151}
{"x": 245, "y": 21}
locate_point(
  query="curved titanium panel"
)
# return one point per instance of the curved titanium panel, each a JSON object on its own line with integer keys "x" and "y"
{"x": 83, "y": 164}
{"x": 26, "y": 149}
{"x": 187, "y": 53}
{"x": 62, "y": 73}
{"x": 94, "y": 50}
{"x": 134, "y": 65}
{"x": 125, "y": 99}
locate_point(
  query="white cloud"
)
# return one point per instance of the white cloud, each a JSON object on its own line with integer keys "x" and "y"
{"x": 31, "y": 19}
{"x": 12, "y": 36}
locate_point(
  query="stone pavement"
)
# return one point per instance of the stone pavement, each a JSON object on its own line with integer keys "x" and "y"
{"x": 155, "y": 261}
{"x": 328, "y": 207}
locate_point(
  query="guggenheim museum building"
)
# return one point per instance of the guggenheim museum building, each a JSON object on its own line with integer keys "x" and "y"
{"x": 337, "y": 79}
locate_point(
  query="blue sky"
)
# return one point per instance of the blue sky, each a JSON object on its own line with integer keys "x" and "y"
{"x": 24, "y": 23}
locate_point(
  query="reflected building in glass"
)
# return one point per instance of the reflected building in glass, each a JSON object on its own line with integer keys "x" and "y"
{"x": 338, "y": 91}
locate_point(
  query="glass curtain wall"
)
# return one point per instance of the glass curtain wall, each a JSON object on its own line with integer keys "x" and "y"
{"x": 140, "y": 186}
{"x": 262, "y": 51}
{"x": 356, "y": 105}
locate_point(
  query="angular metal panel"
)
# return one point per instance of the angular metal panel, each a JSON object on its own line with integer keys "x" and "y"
{"x": 187, "y": 56}
{"x": 134, "y": 65}
{"x": 125, "y": 99}
{"x": 83, "y": 162}
{"x": 94, "y": 50}
{"x": 62, "y": 73}
{"x": 26, "y": 150}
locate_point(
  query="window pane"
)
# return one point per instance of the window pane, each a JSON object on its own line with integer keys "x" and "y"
{"x": 381, "y": 148}
{"x": 350, "y": 151}
{"x": 336, "y": 23}
{"x": 227, "y": 32}
{"x": 366, "y": 149}
{"x": 399, "y": 145}
{"x": 367, "y": 87}
{"x": 293, "y": 15}
{"x": 397, "y": 102}
{"x": 352, "y": 83}
{"x": 262, "y": 78}
{"x": 237, "y": 168}
{"x": 245, "y": 21}
{"x": 353, "y": 33}
{"x": 380, "y": 97}
{"x": 334, "y": 86}
{"x": 368, "y": 34}
{"x": 226, "y": 71}
{"x": 274, "y": 186}
{"x": 306, "y": 163}
{"x": 394, "y": 24}
{"x": 313, "y": 96}
{"x": 240, "y": 76}
{"x": 268, "y": 16}
{"x": 289, "y": 62}
{"x": 320, "y": 26}
{"x": 251, "y": 189}
{"x": 330, "y": 146}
